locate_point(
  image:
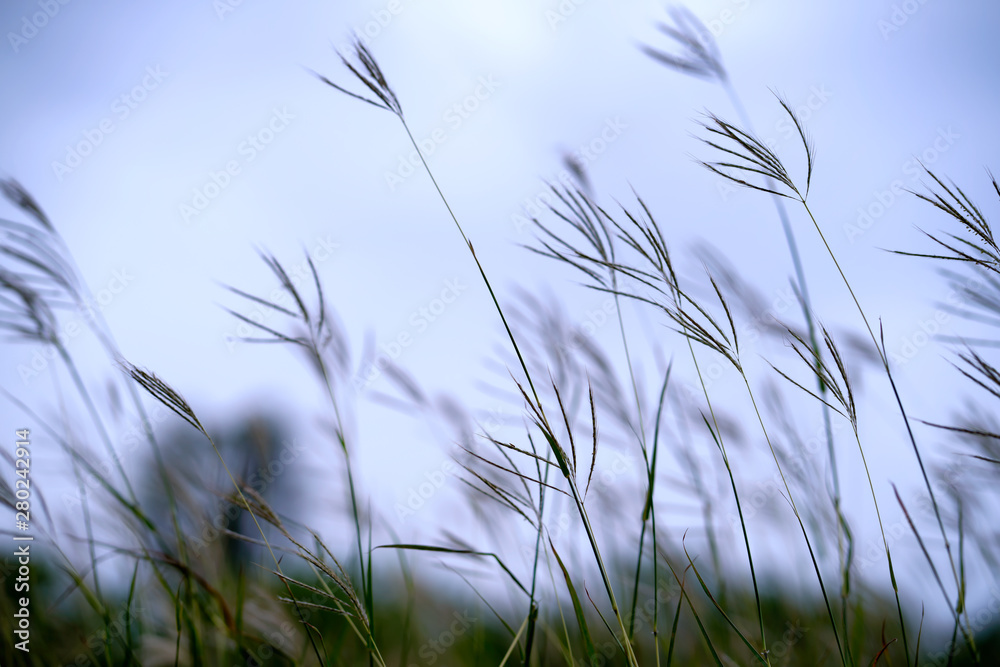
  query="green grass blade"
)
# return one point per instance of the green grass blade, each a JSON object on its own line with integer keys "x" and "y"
{"x": 581, "y": 619}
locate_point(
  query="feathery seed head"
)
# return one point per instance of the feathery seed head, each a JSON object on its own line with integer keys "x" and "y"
{"x": 367, "y": 71}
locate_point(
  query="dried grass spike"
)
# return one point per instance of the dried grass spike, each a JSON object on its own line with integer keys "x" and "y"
{"x": 164, "y": 393}
{"x": 699, "y": 54}
{"x": 806, "y": 144}
{"x": 370, "y": 75}
{"x": 21, "y": 198}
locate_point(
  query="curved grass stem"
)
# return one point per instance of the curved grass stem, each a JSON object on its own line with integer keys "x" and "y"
{"x": 843, "y": 648}
{"x": 880, "y": 348}
{"x": 718, "y": 437}
{"x": 577, "y": 499}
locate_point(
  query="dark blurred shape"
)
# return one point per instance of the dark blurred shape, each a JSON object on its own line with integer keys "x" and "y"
{"x": 261, "y": 456}
{"x": 697, "y": 53}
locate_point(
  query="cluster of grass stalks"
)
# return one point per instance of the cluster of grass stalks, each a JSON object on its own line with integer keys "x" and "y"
{"x": 581, "y": 572}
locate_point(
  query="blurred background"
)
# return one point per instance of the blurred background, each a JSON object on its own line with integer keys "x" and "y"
{"x": 169, "y": 145}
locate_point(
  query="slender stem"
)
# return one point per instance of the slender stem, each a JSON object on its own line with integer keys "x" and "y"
{"x": 847, "y": 283}
{"x": 91, "y": 549}
{"x": 885, "y": 363}
{"x": 572, "y": 483}
{"x": 533, "y": 605}
{"x": 496, "y": 302}
{"x": 98, "y": 324}
{"x": 267, "y": 543}
{"x": 342, "y": 440}
{"x": 604, "y": 573}
{"x": 656, "y": 589}
{"x": 916, "y": 450}
{"x": 807, "y": 312}
{"x": 845, "y": 659}
{"x": 640, "y": 432}
{"x": 652, "y": 518}
{"x": 739, "y": 506}
{"x": 947, "y": 545}
{"x": 793, "y": 248}
{"x": 635, "y": 582}
{"x": 885, "y": 542}
{"x": 94, "y": 415}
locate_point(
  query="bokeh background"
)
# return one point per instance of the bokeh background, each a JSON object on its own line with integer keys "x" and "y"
{"x": 121, "y": 118}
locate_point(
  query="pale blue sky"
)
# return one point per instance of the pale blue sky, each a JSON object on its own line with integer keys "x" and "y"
{"x": 199, "y": 84}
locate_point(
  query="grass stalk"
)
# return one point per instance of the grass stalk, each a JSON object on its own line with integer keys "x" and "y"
{"x": 374, "y": 80}
{"x": 716, "y": 434}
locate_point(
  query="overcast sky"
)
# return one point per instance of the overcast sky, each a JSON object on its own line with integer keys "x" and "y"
{"x": 166, "y": 142}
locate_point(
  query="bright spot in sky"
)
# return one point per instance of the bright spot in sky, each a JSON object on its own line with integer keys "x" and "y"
{"x": 515, "y": 28}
